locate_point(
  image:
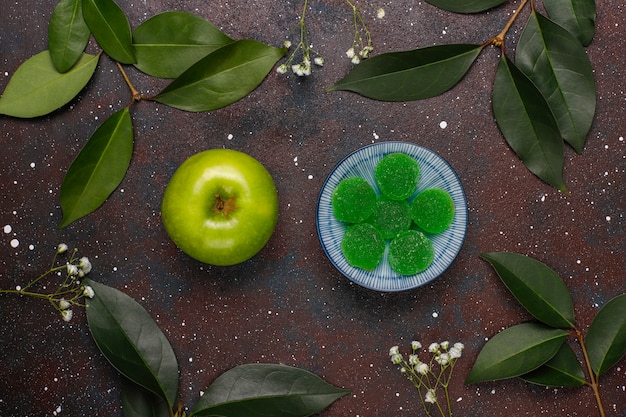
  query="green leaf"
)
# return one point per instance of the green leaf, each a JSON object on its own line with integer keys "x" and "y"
{"x": 139, "y": 402}
{"x": 563, "y": 370}
{"x": 537, "y": 287}
{"x": 516, "y": 351}
{"x": 169, "y": 43}
{"x": 577, "y": 16}
{"x": 68, "y": 34}
{"x": 606, "y": 338}
{"x": 410, "y": 75}
{"x": 98, "y": 169}
{"x": 557, "y": 64}
{"x": 527, "y": 123}
{"x": 110, "y": 27}
{"x": 37, "y": 88}
{"x": 266, "y": 390}
{"x": 466, "y": 6}
{"x": 221, "y": 78}
{"x": 132, "y": 342}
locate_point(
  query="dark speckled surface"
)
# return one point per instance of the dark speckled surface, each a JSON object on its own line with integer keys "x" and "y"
{"x": 288, "y": 304}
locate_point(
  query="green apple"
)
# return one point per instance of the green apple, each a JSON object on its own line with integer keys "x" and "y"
{"x": 220, "y": 207}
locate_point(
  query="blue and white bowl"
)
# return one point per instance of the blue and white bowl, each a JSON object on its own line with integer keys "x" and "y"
{"x": 435, "y": 173}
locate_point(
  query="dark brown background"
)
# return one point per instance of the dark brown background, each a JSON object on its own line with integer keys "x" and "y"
{"x": 288, "y": 304}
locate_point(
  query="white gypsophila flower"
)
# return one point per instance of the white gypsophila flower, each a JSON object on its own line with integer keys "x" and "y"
{"x": 85, "y": 264}
{"x": 413, "y": 360}
{"x": 64, "y": 304}
{"x": 67, "y": 315}
{"x": 442, "y": 359}
{"x": 430, "y": 396}
{"x": 282, "y": 69}
{"x": 396, "y": 359}
{"x": 433, "y": 348}
{"x": 72, "y": 269}
{"x": 350, "y": 53}
{"x": 380, "y": 13}
{"x": 287, "y": 43}
{"x": 62, "y": 248}
{"x": 459, "y": 346}
{"x": 454, "y": 352}
{"x": 422, "y": 368}
{"x": 394, "y": 350}
{"x": 355, "y": 59}
{"x": 88, "y": 292}
{"x": 319, "y": 61}
{"x": 444, "y": 345}
{"x": 364, "y": 53}
{"x": 296, "y": 69}
{"x": 416, "y": 345}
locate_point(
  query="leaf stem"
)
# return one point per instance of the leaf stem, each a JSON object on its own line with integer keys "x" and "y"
{"x": 595, "y": 385}
{"x": 498, "y": 40}
{"x": 136, "y": 95}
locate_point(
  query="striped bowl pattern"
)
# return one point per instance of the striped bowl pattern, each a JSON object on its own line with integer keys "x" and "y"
{"x": 435, "y": 172}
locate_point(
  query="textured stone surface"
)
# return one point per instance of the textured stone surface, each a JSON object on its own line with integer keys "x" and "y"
{"x": 288, "y": 304}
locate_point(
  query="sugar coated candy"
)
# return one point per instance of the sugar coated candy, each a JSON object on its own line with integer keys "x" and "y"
{"x": 410, "y": 253}
{"x": 433, "y": 210}
{"x": 353, "y": 200}
{"x": 363, "y": 246}
{"x": 391, "y": 217}
{"x": 397, "y": 175}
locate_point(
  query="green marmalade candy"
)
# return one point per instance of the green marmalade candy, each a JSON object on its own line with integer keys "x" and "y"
{"x": 397, "y": 175}
{"x": 391, "y": 217}
{"x": 410, "y": 253}
{"x": 353, "y": 200}
{"x": 363, "y": 246}
{"x": 433, "y": 210}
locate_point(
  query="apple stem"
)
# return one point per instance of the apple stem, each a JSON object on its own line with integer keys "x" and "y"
{"x": 224, "y": 207}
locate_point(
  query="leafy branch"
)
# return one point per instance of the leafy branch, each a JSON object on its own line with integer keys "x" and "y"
{"x": 136, "y": 347}
{"x": 546, "y": 95}
{"x": 69, "y": 292}
{"x": 209, "y": 70}
{"x": 536, "y": 351}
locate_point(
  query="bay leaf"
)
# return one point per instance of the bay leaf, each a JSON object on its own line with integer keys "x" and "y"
{"x": 37, "y": 88}
{"x": 110, "y": 27}
{"x": 98, "y": 169}
{"x": 68, "y": 34}
{"x": 563, "y": 370}
{"x": 527, "y": 123}
{"x": 170, "y": 42}
{"x": 410, "y": 75}
{"x": 221, "y": 78}
{"x": 537, "y": 287}
{"x": 266, "y": 390}
{"x": 132, "y": 341}
{"x": 516, "y": 351}
{"x": 606, "y": 337}
{"x": 577, "y": 16}
{"x": 557, "y": 64}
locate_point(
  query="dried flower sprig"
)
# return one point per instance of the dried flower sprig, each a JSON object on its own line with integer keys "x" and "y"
{"x": 361, "y": 47}
{"x": 302, "y": 68}
{"x": 431, "y": 377}
{"x": 70, "y": 291}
